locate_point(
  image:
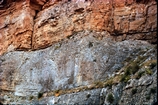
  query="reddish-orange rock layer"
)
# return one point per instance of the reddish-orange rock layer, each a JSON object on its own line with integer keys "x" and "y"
{"x": 35, "y": 24}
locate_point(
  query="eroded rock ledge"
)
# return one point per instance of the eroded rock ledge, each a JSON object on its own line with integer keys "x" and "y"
{"x": 35, "y": 24}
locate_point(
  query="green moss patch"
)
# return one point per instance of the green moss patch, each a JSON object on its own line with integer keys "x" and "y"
{"x": 110, "y": 98}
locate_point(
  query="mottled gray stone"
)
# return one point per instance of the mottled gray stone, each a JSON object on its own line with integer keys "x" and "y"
{"x": 69, "y": 64}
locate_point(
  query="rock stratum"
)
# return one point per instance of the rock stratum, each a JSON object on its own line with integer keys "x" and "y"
{"x": 78, "y": 52}
{"x": 36, "y": 24}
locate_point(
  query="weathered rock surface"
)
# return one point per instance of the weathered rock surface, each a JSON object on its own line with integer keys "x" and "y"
{"x": 36, "y": 24}
{"x": 78, "y": 52}
{"x": 16, "y": 26}
{"x": 75, "y": 62}
{"x": 100, "y": 96}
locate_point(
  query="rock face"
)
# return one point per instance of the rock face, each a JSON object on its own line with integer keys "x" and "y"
{"x": 16, "y": 26}
{"x": 73, "y": 63}
{"x": 36, "y": 24}
{"x": 78, "y": 52}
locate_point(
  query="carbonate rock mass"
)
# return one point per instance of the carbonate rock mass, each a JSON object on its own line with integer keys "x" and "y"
{"x": 78, "y": 52}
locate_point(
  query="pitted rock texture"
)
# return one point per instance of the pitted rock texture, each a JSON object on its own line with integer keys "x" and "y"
{"x": 36, "y": 24}
{"x": 16, "y": 26}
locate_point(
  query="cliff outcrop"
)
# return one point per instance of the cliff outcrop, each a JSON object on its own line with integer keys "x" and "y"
{"x": 78, "y": 52}
{"x": 36, "y": 24}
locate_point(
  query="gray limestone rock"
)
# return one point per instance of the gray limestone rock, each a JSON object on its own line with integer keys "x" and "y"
{"x": 79, "y": 61}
